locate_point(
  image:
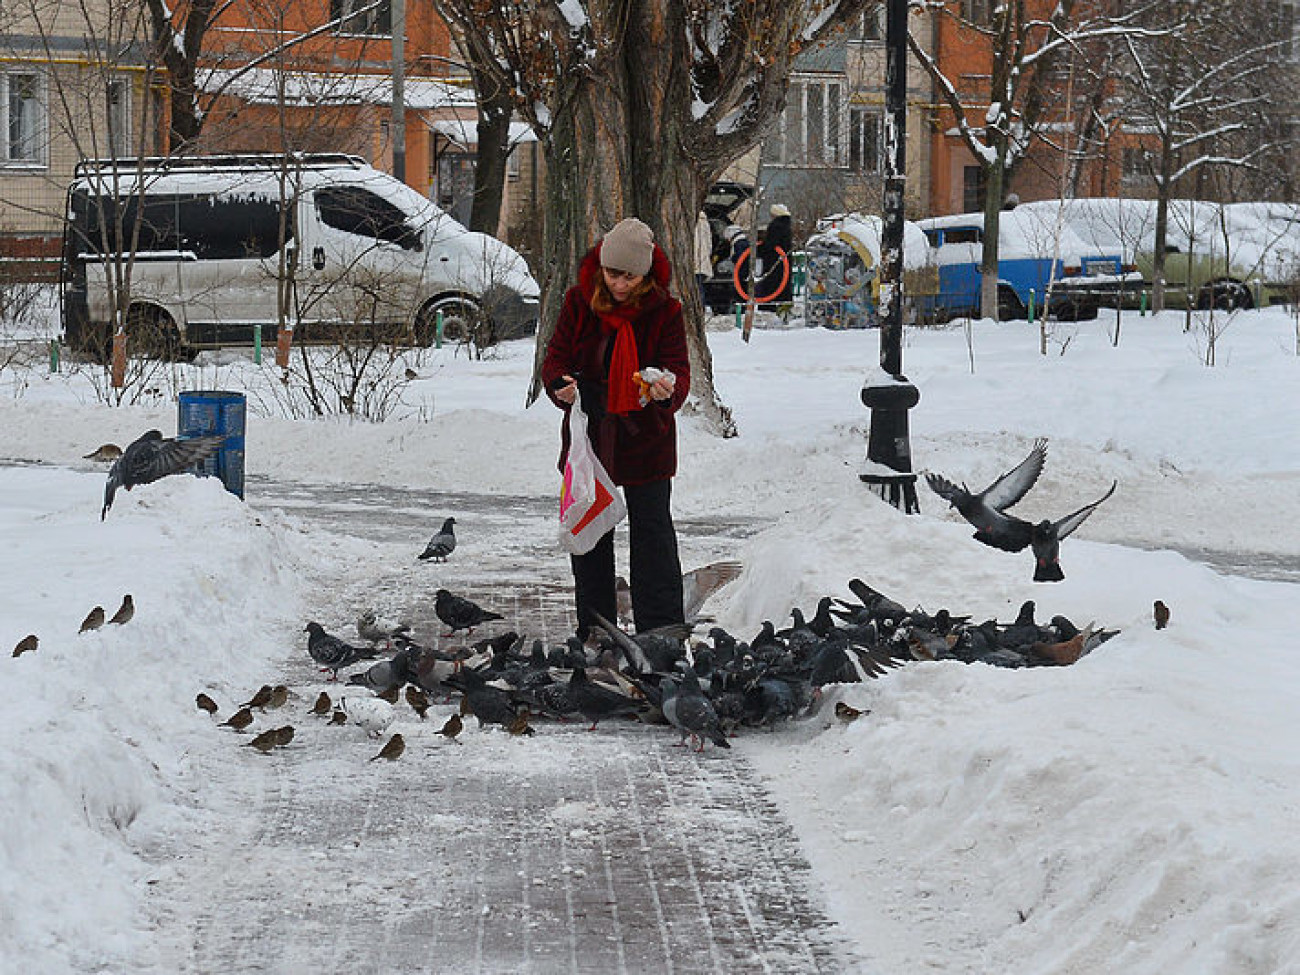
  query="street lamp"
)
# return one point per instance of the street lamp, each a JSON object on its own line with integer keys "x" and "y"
{"x": 887, "y": 393}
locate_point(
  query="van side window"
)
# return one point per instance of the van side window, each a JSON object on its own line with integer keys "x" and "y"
{"x": 355, "y": 210}
{"x": 224, "y": 228}
{"x": 961, "y": 235}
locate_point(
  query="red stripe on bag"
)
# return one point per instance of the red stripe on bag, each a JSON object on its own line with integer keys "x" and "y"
{"x": 603, "y": 500}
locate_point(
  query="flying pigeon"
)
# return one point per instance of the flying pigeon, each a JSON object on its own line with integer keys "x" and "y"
{"x": 332, "y": 653}
{"x": 697, "y": 586}
{"x": 460, "y": 613}
{"x": 153, "y": 457}
{"x": 1045, "y": 539}
{"x": 986, "y": 510}
{"x": 442, "y": 544}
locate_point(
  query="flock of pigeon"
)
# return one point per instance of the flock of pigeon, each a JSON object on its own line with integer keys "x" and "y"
{"x": 707, "y": 689}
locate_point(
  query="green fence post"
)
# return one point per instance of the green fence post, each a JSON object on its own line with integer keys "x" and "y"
{"x": 257, "y": 344}
{"x": 739, "y": 319}
{"x": 54, "y": 355}
{"x": 1031, "y": 306}
{"x": 437, "y": 330}
{"x": 1142, "y": 304}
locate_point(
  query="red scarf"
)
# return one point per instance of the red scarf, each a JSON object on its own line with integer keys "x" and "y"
{"x": 623, "y": 394}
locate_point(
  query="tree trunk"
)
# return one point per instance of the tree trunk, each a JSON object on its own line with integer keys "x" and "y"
{"x": 495, "y": 106}
{"x": 989, "y": 252}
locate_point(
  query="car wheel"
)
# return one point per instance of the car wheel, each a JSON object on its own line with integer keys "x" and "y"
{"x": 151, "y": 333}
{"x": 461, "y": 320}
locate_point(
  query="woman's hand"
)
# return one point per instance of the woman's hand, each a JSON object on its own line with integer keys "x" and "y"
{"x": 567, "y": 393}
{"x": 662, "y": 389}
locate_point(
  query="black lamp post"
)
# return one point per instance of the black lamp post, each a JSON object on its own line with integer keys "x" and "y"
{"x": 888, "y": 394}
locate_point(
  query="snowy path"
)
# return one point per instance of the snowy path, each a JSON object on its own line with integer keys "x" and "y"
{"x": 569, "y": 851}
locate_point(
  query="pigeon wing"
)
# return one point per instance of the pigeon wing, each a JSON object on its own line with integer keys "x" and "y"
{"x": 1005, "y": 532}
{"x": 954, "y": 494}
{"x": 157, "y": 458}
{"x": 1015, "y": 483}
{"x": 1072, "y": 521}
{"x": 699, "y": 584}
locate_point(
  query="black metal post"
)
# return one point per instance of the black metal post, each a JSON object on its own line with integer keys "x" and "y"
{"x": 888, "y": 394}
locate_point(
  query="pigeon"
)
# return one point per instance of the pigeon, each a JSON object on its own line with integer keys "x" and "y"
{"x": 387, "y": 675}
{"x": 1068, "y": 651}
{"x": 153, "y": 457}
{"x": 986, "y": 510}
{"x": 240, "y": 720}
{"x": 104, "y": 453}
{"x": 392, "y": 749}
{"x": 374, "y": 630}
{"x": 691, "y": 713}
{"x": 323, "y": 704}
{"x": 487, "y": 702}
{"x": 442, "y": 544}
{"x": 205, "y": 703}
{"x": 125, "y": 611}
{"x": 266, "y": 741}
{"x": 371, "y": 714}
{"x": 26, "y": 645}
{"x": 94, "y": 620}
{"x": 332, "y": 653}
{"x": 452, "y": 727}
{"x": 1161, "y": 613}
{"x": 697, "y": 586}
{"x": 460, "y": 613}
{"x": 1046, "y": 536}
{"x": 595, "y": 701}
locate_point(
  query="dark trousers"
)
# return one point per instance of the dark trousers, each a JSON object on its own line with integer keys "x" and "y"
{"x": 655, "y": 571}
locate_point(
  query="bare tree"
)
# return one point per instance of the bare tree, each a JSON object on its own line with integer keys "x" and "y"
{"x": 640, "y": 105}
{"x": 1202, "y": 98}
{"x": 1026, "y": 53}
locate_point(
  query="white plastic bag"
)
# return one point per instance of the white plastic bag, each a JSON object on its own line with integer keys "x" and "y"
{"x": 590, "y": 505}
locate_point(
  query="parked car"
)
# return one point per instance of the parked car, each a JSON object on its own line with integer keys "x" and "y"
{"x": 843, "y": 285}
{"x": 1236, "y": 255}
{"x": 1038, "y": 262}
{"x": 216, "y": 244}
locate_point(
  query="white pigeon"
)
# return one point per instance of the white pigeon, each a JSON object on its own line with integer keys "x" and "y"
{"x": 372, "y": 714}
{"x": 374, "y": 630}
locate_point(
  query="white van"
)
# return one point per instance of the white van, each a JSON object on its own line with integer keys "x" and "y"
{"x": 216, "y": 245}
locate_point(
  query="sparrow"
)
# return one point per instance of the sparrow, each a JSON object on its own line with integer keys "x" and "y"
{"x": 265, "y": 741}
{"x": 452, "y": 728}
{"x": 125, "y": 611}
{"x": 104, "y": 453}
{"x": 847, "y": 712}
{"x": 520, "y": 726}
{"x": 460, "y": 613}
{"x": 279, "y": 695}
{"x": 152, "y": 457}
{"x": 392, "y": 749}
{"x": 283, "y": 734}
{"x": 389, "y": 695}
{"x": 442, "y": 544}
{"x": 411, "y": 375}
{"x": 986, "y": 509}
{"x": 26, "y": 644}
{"x": 261, "y": 698}
{"x": 240, "y": 720}
{"x": 94, "y": 620}
{"x": 322, "y": 705}
{"x": 417, "y": 699}
{"x": 1161, "y": 615}
{"x": 205, "y": 703}
{"x": 339, "y": 716}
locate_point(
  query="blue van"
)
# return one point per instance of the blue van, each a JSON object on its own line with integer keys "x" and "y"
{"x": 1042, "y": 264}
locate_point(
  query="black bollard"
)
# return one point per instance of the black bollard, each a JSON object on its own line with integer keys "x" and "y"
{"x": 888, "y": 468}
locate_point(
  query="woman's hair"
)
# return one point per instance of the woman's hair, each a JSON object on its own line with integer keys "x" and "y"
{"x": 602, "y": 301}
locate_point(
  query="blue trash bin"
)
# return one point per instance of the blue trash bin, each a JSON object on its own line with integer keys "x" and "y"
{"x": 205, "y": 412}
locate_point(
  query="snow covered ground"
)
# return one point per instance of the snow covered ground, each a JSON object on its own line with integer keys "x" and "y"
{"x": 1135, "y": 812}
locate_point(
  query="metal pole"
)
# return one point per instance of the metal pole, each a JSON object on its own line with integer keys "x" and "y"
{"x": 888, "y": 394}
{"x": 399, "y": 89}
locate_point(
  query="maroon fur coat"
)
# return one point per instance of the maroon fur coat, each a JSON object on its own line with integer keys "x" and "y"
{"x": 641, "y": 446}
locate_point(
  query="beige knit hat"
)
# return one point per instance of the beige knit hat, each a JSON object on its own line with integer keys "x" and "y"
{"x": 629, "y": 246}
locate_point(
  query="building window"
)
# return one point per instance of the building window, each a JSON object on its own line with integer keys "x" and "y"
{"x": 870, "y": 26}
{"x": 1139, "y": 163}
{"x": 371, "y": 17}
{"x": 809, "y": 130}
{"x": 864, "y": 140}
{"x": 118, "y": 117}
{"x": 972, "y": 189}
{"x": 513, "y": 161}
{"x": 23, "y": 118}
